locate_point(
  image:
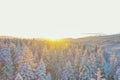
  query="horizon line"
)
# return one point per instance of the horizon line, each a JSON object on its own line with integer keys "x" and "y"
{"x": 83, "y": 36}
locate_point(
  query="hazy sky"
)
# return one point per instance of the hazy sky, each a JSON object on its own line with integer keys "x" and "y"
{"x": 58, "y": 18}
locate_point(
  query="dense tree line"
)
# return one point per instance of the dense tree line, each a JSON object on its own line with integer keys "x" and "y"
{"x": 34, "y": 59}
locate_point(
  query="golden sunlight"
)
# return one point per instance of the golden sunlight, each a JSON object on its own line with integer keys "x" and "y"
{"x": 53, "y": 38}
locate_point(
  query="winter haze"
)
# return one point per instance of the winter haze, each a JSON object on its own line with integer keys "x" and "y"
{"x": 59, "y": 40}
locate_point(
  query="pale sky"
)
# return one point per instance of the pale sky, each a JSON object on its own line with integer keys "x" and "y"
{"x": 58, "y": 18}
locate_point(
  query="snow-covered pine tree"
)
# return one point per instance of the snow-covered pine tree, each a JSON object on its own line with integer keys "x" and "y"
{"x": 18, "y": 77}
{"x": 87, "y": 70}
{"x": 7, "y": 67}
{"x": 41, "y": 71}
{"x": 26, "y": 64}
{"x": 118, "y": 73}
{"x": 68, "y": 72}
{"x": 99, "y": 75}
{"x": 24, "y": 72}
{"x": 113, "y": 64}
{"x": 105, "y": 65}
{"x": 48, "y": 77}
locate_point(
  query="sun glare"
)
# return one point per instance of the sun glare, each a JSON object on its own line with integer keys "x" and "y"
{"x": 53, "y": 38}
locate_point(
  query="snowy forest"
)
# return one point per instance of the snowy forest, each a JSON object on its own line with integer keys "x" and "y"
{"x": 90, "y": 58}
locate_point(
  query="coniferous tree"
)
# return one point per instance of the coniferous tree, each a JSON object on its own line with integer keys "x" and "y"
{"x": 99, "y": 74}
{"x": 118, "y": 73}
{"x": 41, "y": 71}
{"x": 68, "y": 72}
{"x": 18, "y": 77}
{"x": 48, "y": 77}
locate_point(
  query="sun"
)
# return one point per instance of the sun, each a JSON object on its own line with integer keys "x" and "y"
{"x": 54, "y": 38}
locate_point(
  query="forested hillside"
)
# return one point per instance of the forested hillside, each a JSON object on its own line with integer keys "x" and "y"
{"x": 90, "y": 58}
